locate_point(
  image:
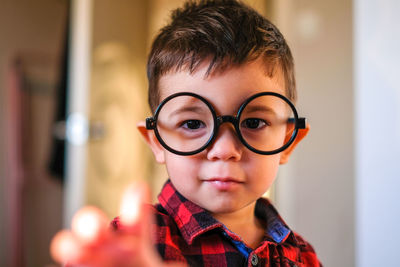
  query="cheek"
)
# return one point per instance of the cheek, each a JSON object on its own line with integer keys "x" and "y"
{"x": 181, "y": 169}
{"x": 264, "y": 171}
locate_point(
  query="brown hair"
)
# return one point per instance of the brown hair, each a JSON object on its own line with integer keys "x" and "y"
{"x": 225, "y": 32}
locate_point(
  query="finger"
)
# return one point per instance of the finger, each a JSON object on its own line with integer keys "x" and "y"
{"x": 89, "y": 224}
{"x": 136, "y": 220}
{"x": 132, "y": 203}
{"x": 136, "y": 214}
{"x": 146, "y": 215}
{"x": 64, "y": 247}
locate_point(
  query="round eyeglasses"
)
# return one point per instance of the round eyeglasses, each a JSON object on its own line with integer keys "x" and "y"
{"x": 186, "y": 123}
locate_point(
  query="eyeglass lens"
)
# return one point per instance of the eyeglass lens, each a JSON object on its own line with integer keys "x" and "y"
{"x": 185, "y": 123}
{"x": 264, "y": 123}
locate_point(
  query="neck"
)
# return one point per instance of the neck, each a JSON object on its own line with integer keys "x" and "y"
{"x": 243, "y": 223}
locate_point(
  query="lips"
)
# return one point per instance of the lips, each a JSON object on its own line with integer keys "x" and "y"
{"x": 224, "y": 183}
{"x": 223, "y": 179}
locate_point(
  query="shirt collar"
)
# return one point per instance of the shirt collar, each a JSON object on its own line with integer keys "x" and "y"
{"x": 193, "y": 220}
{"x": 276, "y": 228}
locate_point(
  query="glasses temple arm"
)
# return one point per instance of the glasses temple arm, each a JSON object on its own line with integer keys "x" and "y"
{"x": 301, "y": 122}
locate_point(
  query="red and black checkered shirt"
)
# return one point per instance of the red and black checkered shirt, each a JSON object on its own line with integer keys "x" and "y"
{"x": 188, "y": 233}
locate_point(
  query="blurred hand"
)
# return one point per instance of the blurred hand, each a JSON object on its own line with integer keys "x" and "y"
{"x": 91, "y": 242}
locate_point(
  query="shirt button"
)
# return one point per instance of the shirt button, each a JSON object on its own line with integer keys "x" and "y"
{"x": 254, "y": 260}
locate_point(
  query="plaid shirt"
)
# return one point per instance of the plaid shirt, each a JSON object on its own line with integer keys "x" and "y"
{"x": 188, "y": 233}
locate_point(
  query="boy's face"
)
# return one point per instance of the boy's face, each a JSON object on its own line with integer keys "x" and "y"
{"x": 226, "y": 176}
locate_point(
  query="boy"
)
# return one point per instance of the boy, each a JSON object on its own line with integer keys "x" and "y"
{"x": 221, "y": 87}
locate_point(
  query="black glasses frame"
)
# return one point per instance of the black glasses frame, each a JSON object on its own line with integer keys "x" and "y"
{"x": 299, "y": 123}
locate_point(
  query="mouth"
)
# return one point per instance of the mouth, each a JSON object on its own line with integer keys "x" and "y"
{"x": 224, "y": 183}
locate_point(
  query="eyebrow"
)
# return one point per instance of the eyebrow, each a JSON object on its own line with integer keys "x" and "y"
{"x": 260, "y": 108}
{"x": 187, "y": 109}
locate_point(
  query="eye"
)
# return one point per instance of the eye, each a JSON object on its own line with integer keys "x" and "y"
{"x": 253, "y": 123}
{"x": 193, "y": 124}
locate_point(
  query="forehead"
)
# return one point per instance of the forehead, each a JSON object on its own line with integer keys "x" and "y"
{"x": 224, "y": 89}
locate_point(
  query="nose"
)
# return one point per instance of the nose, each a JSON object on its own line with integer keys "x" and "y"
{"x": 226, "y": 145}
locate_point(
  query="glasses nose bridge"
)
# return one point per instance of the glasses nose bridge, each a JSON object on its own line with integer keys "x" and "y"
{"x": 227, "y": 118}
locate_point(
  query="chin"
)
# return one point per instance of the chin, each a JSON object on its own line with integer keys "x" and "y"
{"x": 224, "y": 207}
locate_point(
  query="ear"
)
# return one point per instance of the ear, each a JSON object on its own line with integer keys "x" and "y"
{"x": 152, "y": 141}
{"x": 288, "y": 151}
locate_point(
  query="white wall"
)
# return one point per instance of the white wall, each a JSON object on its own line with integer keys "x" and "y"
{"x": 377, "y": 120}
{"x": 315, "y": 191}
{"x": 341, "y": 188}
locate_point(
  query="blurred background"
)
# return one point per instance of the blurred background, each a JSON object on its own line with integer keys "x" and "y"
{"x": 73, "y": 86}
